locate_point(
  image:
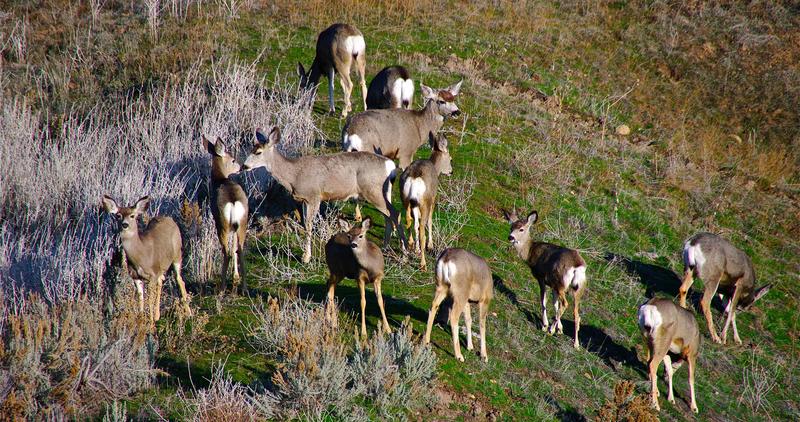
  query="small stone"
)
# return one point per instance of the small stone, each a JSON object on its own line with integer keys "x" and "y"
{"x": 623, "y": 130}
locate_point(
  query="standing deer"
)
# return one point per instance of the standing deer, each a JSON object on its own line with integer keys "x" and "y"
{"x": 465, "y": 277}
{"x": 230, "y": 211}
{"x": 313, "y": 179}
{"x": 419, "y": 183}
{"x": 337, "y": 48}
{"x": 397, "y": 133}
{"x": 149, "y": 254}
{"x": 723, "y": 268}
{"x": 350, "y": 254}
{"x": 562, "y": 269}
{"x": 392, "y": 87}
{"x": 668, "y": 328}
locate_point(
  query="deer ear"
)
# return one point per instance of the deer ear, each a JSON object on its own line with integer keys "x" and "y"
{"x": 142, "y": 204}
{"x": 533, "y": 217}
{"x": 301, "y": 71}
{"x": 109, "y": 205}
{"x": 441, "y": 142}
{"x": 219, "y": 147}
{"x": 510, "y": 216}
{"x": 455, "y": 88}
{"x": 366, "y": 223}
{"x": 427, "y": 92}
{"x": 344, "y": 224}
{"x": 208, "y": 145}
{"x": 274, "y": 135}
{"x": 761, "y": 292}
{"x": 260, "y": 137}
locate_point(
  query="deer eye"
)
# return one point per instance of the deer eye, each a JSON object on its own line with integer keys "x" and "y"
{"x": 257, "y": 152}
{"x": 118, "y": 215}
{"x": 440, "y": 101}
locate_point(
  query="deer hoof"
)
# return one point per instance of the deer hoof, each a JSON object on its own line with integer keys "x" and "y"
{"x": 695, "y": 409}
{"x": 485, "y": 359}
{"x": 460, "y": 358}
{"x": 544, "y": 327}
{"x": 576, "y": 345}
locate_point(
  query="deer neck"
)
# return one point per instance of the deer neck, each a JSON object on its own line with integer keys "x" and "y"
{"x": 431, "y": 120}
{"x": 437, "y": 158}
{"x": 131, "y": 242}
{"x": 315, "y": 72}
{"x": 285, "y": 170}
{"x": 218, "y": 175}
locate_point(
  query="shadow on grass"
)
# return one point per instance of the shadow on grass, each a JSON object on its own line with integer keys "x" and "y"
{"x": 659, "y": 279}
{"x": 184, "y": 374}
{"x": 565, "y": 415}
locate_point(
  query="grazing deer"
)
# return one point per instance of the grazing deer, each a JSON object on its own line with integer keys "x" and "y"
{"x": 392, "y": 87}
{"x": 419, "y": 183}
{"x": 724, "y": 269}
{"x": 337, "y": 48}
{"x": 465, "y": 277}
{"x": 230, "y": 211}
{"x": 668, "y": 328}
{"x": 397, "y": 133}
{"x": 562, "y": 269}
{"x": 350, "y": 254}
{"x": 313, "y": 179}
{"x": 150, "y": 253}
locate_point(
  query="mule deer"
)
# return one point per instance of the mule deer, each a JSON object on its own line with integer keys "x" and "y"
{"x": 562, "y": 269}
{"x": 397, "y": 133}
{"x": 724, "y": 269}
{"x": 150, "y": 253}
{"x": 313, "y": 179}
{"x": 392, "y": 87}
{"x": 230, "y": 211}
{"x": 465, "y": 277}
{"x": 668, "y": 328}
{"x": 337, "y": 48}
{"x": 349, "y": 254}
{"x": 419, "y": 183}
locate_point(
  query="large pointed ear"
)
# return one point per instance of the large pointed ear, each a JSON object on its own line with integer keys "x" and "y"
{"x": 427, "y": 92}
{"x": 366, "y": 224}
{"x": 109, "y": 205}
{"x": 761, "y": 292}
{"x": 220, "y": 148}
{"x": 510, "y": 216}
{"x": 344, "y": 225}
{"x": 533, "y": 217}
{"x": 208, "y": 145}
{"x": 455, "y": 88}
{"x": 432, "y": 140}
{"x": 274, "y": 135}
{"x": 142, "y": 204}
{"x": 261, "y": 139}
{"x": 301, "y": 71}
{"x": 441, "y": 142}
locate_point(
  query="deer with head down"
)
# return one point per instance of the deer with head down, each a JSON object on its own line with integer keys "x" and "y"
{"x": 724, "y": 269}
{"x": 313, "y": 179}
{"x": 149, "y": 253}
{"x": 392, "y": 87}
{"x": 559, "y": 268}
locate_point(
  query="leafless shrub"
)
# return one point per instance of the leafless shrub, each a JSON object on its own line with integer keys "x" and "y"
{"x": 451, "y": 210}
{"x": 153, "y": 14}
{"x": 225, "y": 400}
{"x": 116, "y": 412}
{"x": 757, "y": 382}
{"x": 627, "y": 407}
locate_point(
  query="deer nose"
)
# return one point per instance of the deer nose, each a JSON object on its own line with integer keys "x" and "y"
{"x": 353, "y": 245}
{"x": 510, "y": 238}
{"x": 456, "y": 113}
{"x": 125, "y": 226}
{"x": 245, "y": 167}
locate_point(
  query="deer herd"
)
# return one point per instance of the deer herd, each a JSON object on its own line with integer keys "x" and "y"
{"x": 390, "y": 129}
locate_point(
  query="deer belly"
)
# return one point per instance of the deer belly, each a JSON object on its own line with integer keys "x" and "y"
{"x": 676, "y": 348}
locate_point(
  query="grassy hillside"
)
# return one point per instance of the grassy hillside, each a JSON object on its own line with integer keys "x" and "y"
{"x": 709, "y": 91}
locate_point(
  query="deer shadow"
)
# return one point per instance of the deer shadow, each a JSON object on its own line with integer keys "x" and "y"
{"x": 659, "y": 279}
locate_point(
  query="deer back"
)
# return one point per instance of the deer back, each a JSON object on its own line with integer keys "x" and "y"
{"x": 551, "y": 263}
{"x": 712, "y": 256}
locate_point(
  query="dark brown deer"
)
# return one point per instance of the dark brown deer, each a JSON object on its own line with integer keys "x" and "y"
{"x": 338, "y": 47}
{"x": 562, "y": 269}
{"x": 230, "y": 210}
{"x": 724, "y": 269}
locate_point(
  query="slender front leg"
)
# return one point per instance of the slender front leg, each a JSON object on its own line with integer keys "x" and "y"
{"x": 685, "y": 286}
{"x": 182, "y": 287}
{"x": 483, "y": 311}
{"x": 438, "y": 297}
{"x": 455, "y": 315}
{"x": 159, "y": 287}
{"x": 362, "y": 281}
{"x": 705, "y": 304}
{"x": 429, "y": 221}
{"x": 692, "y": 361}
{"x": 735, "y": 331}
{"x": 379, "y": 296}
{"x": 543, "y": 294}
{"x": 732, "y": 312}
{"x": 330, "y": 308}
{"x": 668, "y": 368}
{"x": 468, "y": 322}
{"x": 139, "y": 284}
{"x": 311, "y": 209}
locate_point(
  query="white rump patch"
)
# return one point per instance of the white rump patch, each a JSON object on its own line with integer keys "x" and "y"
{"x": 352, "y": 142}
{"x": 649, "y": 317}
{"x": 234, "y": 212}
{"x": 390, "y": 168}
{"x": 693, "y": 256}
{"x": 397, "y": 92}
{"x": 355, "y": 45}
{"x": 408, "y": 90}
{"x": 414, "y": 188}
{"x": 445, "y": 271}
{"x": 578, "y": 277}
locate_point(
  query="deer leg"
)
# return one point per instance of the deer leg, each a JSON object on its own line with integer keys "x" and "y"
{"x": 576, "y": 314}
{"x": 468, "y": 322}
{"x": 438, "y": 297}
{"x": 705, "y": 304}
{"x": 686, "y": 284}
{"x": 409, "y": 221}
{"x": 139, "y": 284}
{"x": 656, "y": 357}
{"x": 416, "y": 211}
{"x": 379, "y": 296}
{"x": 311, "y": 210}
{"x": 692, "y": 360}
{"x": 240, "y": 253}
{"x": 347, "y": 87}
{"x": 235, "y": 255}
{"x": 732, "y": 312}
{"x": 429, "y": 221}
{"x": 361, "y": 288}
{"x": 483, "y": 311}
{"x": 668, "y": 368}
{"x": 226, "y": 259}
{"x": 331, "y": 108}
{"x": 176, "y": 266}
{"x": 735, "y": 331}
{"x": 159, "y": 287}
{"x": 455, "y": 315}
{"x": 358, "y": 216}
{"x": 361, "y": 65}
{"x": 543, "y": 294}
{"x": 330, "y": 310}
